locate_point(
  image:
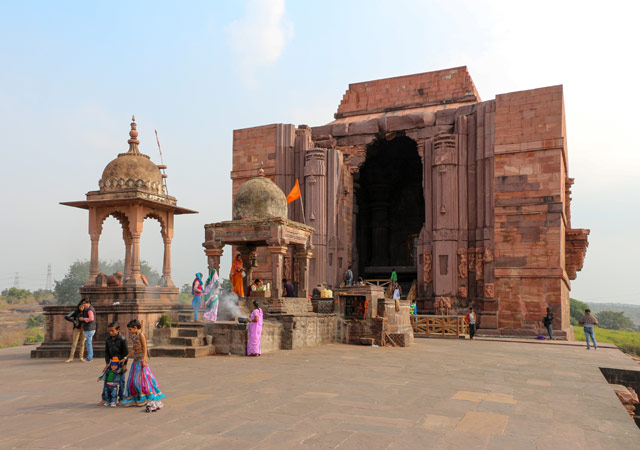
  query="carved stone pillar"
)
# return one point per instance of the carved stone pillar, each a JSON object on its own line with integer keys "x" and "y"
{"x": 303, "y": 258}
{"x": 248, "y": 267}
{"x": 135, "y": 262}
{"x": 277, "y": 253}
{"x": 93, "y": 265}
{"x": 166, "y": 264}
{"x": 127, "y": 258}
{"x": 213, "y": 258}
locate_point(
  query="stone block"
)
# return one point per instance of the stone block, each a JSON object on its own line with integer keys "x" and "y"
{"x": 429, "y": 118}
{"x": 356, "y": 140}
{"x": 464, "y": 110}
{"x": 404, "y": 122}
{"x": 340, "y": 129}
{"x": 445, "y": 117}
{"x": 364, "y": 127}
{"x": 323, "y": 130}
{"x": 429, "y": 132}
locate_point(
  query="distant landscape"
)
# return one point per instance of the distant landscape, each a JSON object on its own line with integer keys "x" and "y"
{"x": 631, "y": 311}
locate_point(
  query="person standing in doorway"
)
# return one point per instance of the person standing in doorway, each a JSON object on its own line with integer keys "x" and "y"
{"x": 289, "y": 290}
{"x": 348, "y": 277}
{"x": 394, "y": 276}
{"x": 470, "y": 318}
{"x": 78, "y": 334}
{"x": 589, "y": 321}
{"x": 236, "y": 276}
{"x": 397, "y": 291}
{"x": 547, "y": 321}
{"x": 88, "y": 320}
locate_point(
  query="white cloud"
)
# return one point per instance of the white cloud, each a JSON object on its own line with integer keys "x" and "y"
{"x": 259, "y": 37}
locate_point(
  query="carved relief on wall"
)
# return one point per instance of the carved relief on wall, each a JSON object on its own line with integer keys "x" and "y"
{"x": 479, "y": 264}
{"x": 442, "y": 306}
{"x": 462, "y": 292}
{"x": 488, "y": 255}
{"x": 287, "y": 267}
{"x": 462, "y": 264}
{"x": 428, "y": 276}
{"x": 445, "y": 149}
{"x": 489, "y": 290}
{"x": 472, "y": 259}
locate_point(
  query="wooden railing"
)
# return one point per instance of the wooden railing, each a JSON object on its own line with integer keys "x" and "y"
{"x": 449, "y": 326}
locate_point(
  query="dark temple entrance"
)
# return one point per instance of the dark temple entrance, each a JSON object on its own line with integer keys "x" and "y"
{"x": 390, "y": 209}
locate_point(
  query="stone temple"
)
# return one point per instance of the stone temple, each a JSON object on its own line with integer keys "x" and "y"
{"x": 468, "y": 198}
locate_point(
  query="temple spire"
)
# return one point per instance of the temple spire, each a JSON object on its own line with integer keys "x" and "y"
{"x": 133, "y": 140}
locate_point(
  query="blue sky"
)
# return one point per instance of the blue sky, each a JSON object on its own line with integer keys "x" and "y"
{"x": 74, "y": 72}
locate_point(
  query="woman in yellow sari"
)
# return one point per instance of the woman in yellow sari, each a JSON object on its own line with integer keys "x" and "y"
{"x": 236, "y": 275}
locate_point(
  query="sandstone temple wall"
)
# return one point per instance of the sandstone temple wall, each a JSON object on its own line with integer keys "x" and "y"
{"x": 497, "y": 231}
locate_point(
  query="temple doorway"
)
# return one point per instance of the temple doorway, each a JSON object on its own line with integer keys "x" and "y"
{"x": 390, "y": 210}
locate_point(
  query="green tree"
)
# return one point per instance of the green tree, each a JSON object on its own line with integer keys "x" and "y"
{"x": 577, "y": 310}
{"x": 613, "y": 320}
{"x": 36, "y": 321}
{"x": 15, "y": 295}
{"x": 66, "y": 290}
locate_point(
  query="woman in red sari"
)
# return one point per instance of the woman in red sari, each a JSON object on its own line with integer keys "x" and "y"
{"x": 236, "y": 275}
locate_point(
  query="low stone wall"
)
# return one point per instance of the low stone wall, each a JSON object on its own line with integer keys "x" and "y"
{"x": 231, "y": 337}
{"x": 307, "y": 330}
{"x": 350, "y": 332}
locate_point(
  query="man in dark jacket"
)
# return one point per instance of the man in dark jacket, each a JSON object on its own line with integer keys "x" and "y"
{"x": 74, "y": 317}
{"x": 115, "y": 346}
{"x": 88, "y": 320}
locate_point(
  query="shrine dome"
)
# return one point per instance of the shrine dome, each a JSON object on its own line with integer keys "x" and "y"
{"x": 132, "y": 170}
{"x": 259, "y": 198}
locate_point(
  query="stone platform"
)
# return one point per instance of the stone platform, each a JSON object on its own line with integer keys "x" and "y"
{"x": 504, "y": 396}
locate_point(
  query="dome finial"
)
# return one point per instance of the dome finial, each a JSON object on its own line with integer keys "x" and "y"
{"x": 261, "y": 170}
{"x": 133, "y": 134}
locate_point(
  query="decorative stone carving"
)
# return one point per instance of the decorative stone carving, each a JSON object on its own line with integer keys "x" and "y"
{"x": 462, "y": 264}
{"x": 428, "y": 275}
{"x": 462, "y": 292}
{"x": 489, "y": 290}
{"x": 472, "y": 260}
{"x": 488, "y": 255}
{"x": 576, "y": 243}
{"x": 287, "y": 267}
{"x": 442, "y": 306}
{"x": 479, "y": 264}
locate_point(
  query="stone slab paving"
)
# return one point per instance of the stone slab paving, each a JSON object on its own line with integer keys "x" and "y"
{"x": 436, "y": 394}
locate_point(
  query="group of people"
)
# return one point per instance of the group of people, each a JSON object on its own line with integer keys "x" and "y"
{"x": 141, "y": 387}
{"x": 83, "y": 318}
{"x": 205, "y": 295}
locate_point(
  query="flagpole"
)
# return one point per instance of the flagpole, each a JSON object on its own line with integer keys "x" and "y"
{"x": 304, "y": 219}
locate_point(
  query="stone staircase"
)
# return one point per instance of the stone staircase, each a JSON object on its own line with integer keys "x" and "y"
{"x": 186, "y": 339}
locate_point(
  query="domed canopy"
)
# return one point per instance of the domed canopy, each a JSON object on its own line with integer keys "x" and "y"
{"x": 132, "y": 170}
{"x": 259, "y": 198}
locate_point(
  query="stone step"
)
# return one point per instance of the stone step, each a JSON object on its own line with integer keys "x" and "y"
{"x": 189, "y": 325}
{"x": 191, "y": 332}
{"x": 176, "y": 351}
{"x": 186, "y": 341}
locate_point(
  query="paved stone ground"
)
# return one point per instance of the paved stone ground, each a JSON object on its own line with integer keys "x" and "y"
{"x": 441, "y": 394}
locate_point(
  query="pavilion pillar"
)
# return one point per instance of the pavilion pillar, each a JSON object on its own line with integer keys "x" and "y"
{"x": 127, "y": 254}
{"x": 213, "y": 259}
{"x": 277, "y": 254}
{"x": 303, "y": 258}
{"x": 135, "y": 261}
{"x": 248, "y": 267}
{"x": 94, "y": 262}
{"x": 166, "y": 264}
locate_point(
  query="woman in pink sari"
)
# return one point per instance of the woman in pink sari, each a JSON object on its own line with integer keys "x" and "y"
{"x": 255, "y": 331}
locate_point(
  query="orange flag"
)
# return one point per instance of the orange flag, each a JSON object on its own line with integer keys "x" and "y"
{"x": 294, "y": 194}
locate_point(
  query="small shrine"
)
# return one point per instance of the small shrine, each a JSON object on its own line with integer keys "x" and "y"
{"x": 260, "y": 220}
{"x": 132, "y": 188}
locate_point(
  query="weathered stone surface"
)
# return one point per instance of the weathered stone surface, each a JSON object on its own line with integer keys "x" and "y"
{"x": 404, "y": 122}
{"x": 324, "y": 130}
{"x": 446, "y": 116}
{"x": 364, "y": 127}
{"x": 340, "y": 129}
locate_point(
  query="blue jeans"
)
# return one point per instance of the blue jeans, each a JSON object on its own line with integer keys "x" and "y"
{"x": 88, "y": 336}
{"x": 195, "y": 304}
{"x": 588, "y": 331}
{"x": 109, "y": 393}
{"x": 550, "y": 331}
